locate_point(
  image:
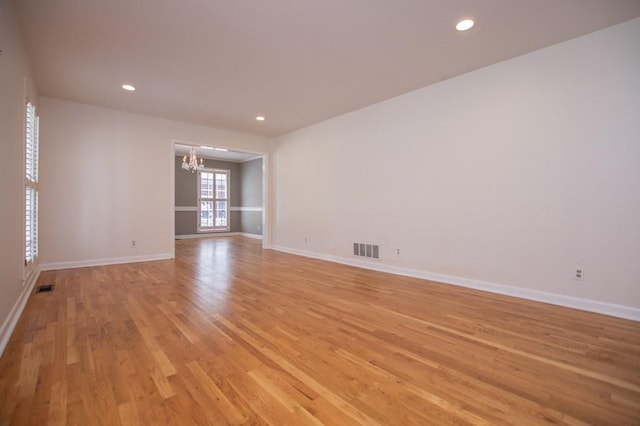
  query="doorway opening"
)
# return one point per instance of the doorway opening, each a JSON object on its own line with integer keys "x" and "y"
{"x": 236, "y": 197}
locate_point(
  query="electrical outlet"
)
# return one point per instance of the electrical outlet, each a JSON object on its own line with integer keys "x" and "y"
{"x": 133, "y": 243}
{"x": 306, "y": 239}
{"x": 397, "y": 252}
{"x": 579, "y": 274}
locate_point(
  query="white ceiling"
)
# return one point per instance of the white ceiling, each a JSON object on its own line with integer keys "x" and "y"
{"x": 222, "y": 62}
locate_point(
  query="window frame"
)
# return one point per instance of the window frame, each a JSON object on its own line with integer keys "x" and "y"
{"x": 213, "y": 199}
{"x": 31, "y": 190}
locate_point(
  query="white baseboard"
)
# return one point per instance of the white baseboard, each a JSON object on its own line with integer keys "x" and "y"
{"x": 218, "y": 234}
{"x": 207, "y": 235}
{"x": 231, "y": 209}
{"x": 619, "y": 311}
{"x": 10, "y": 323}
{"x": 254, "y": 236}
{"x": 102, "y": 262}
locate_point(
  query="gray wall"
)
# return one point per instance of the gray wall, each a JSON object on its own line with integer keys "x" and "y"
{"x": 251, "y": 193}
{"x": 251, "y": 196}
{"x": 245, "y": 190}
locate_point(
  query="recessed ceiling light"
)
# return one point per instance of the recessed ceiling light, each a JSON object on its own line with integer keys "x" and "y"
{"x": 222, "y": 149}
{"x": 206, "y": 147}
{"x": 260, "y": 118}
{"x": 465, "y": 24}
{"x": 128, "y": 87}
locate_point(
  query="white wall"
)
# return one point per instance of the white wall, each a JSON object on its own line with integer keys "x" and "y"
{"x": 512, "y": 175}
{"x": 106, "y": 179}
{"x": 16, "y": 86}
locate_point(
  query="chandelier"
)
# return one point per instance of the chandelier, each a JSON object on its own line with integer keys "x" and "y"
{"x": 192, "y": 164}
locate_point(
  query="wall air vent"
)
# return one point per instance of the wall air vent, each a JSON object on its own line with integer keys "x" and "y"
{"x": 366, "y": 250}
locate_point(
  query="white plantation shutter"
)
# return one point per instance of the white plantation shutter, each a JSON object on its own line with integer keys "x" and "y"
{"x": 28, "y": 225}
{"x": 31, "y": 184}
{"x": 31, "y": 143}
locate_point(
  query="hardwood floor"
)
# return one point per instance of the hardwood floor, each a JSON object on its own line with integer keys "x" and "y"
{"x": 230, "y": 334}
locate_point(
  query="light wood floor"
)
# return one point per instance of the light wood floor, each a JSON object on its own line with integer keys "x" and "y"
{"x": 230, "y": 334}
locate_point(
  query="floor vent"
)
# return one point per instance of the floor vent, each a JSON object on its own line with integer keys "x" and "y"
{"x": 366, "y": 250}
{"x": 46, "y": 288}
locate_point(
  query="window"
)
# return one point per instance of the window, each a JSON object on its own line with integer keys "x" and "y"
{"x": 213, "y": 200}
{"x": 31, "y": 186}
